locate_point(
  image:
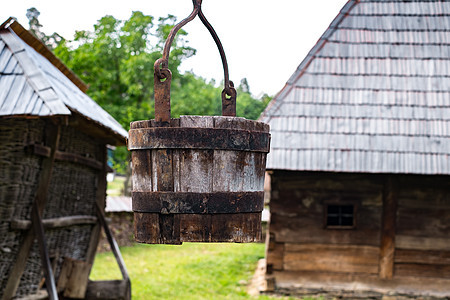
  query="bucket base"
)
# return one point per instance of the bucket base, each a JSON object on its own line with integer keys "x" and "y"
{"x": 154, "y": 228}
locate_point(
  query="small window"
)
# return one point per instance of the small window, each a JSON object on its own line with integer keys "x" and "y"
{"x": 340, "y": 216}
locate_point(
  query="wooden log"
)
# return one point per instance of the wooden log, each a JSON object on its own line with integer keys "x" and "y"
{"x": 422, "y": 257}
{"x": 52, "y": 140}
{"x": 310, "y": 230}
{"x": 387, "y": 246}
{"x": 411, "y": 287}
{"x": 422, "y": 243}
{"x": 274, "y": 257}
{"x": 55, "y": 222}
{"x": 430, "y": 221}
{"x": 422, "y": 270}
{"x": 331, "y": 258}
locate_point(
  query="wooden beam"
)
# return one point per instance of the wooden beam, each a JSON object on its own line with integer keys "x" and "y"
{"x": 52, "y": 134}
{"x": 42, "y": 150}
{"x": 116, "y": 251}
{"x": 114, "y": 289}
{"x": 55, "y": 222}
{"x": 100, "y": 200}
{"x": 387, "y": 246}
{"x": 45, "y": 258}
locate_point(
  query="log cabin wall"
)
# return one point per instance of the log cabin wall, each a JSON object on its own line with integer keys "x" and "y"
{"x": 300, "y": 243}
{"x": 423, "y": 227}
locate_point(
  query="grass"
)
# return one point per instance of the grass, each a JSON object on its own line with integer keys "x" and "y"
{"x": 115, "y": 187}
{"x": 190, "y": 271}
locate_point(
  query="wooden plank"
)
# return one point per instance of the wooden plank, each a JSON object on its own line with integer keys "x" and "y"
{"x": 422, "y": 270}
{"x": 422, "y": 243}
{"x": 422, "y": 257}
{"x": 331, "y": 258}
{"x": 43, "y": 252}
{"x": 430, "y": 221}
{"x": 310, "y": 230}
{"x": 146, "y": 228}
{"x": 274, "y": 257}
{"x": 414, "y": 287}
{"x": 116, "y": 251}
{"x": 73, "y": 278}
{"x": 142, "y": 170}
{"x": 106, "y": 290}
{"x": 387, "y": 246}
{"x": 195, "y": 170}
{"x": 100, "y": 199}
{"x": 52, "y": 135}
{"x": 78, "y": 159}
{"x": 55, "y": 222}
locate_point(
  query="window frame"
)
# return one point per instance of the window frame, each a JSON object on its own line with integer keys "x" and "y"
{"x": 339, "y": 227}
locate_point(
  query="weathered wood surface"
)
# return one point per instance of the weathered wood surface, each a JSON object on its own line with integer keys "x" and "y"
{"x": 274, "y": 254}
{"x": 201, "y": 171}
{"x": 100, "y": 199}
{"x": 52, "y": 140}
{"x": 422, "y": 243}
{"x": 422, "y": 257}
{"x": 55, "y": 222}
{"x": 387, "y": 245}
{"x": 331, "y": 258}
{"x": 42, "y": 150}
{"x": 422, "y": 270}
{"x": 405, "y": 226}
{"x": 107, "y": 290}
{"x": 358, "y": 282}
{"x": 73, "y": 278}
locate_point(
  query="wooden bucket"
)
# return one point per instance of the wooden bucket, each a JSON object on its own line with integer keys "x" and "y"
{"x": 199, "y": 180}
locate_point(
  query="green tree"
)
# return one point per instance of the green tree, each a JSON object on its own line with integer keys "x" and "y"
{"x": 50, "y": 41}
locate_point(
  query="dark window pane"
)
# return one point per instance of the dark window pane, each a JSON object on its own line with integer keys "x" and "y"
{"x": 340, "y": 215}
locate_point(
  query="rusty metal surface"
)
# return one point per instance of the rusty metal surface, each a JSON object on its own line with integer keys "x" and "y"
{"x": 198, "y": 138}
{"x": 198, "y": 203}
{"x": 162, "y": 97}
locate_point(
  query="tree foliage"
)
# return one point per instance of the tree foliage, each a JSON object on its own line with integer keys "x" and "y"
{"x": 116, "y": 61}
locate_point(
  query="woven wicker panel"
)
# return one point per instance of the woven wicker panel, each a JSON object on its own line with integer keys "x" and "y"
{"x": 74, "y": 141}
{"x": 72, "y": 192}
{"x": 18, "y": 182}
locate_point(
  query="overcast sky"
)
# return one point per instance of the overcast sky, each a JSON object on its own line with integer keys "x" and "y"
{"x": 264, "y": 40}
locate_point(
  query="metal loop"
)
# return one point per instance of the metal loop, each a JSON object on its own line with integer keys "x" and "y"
{"x": 159, "y": 64}
{"x": 162, "y": 64}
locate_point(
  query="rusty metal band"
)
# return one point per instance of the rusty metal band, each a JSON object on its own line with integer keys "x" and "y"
{"x": 197, "y": 203}
{"x": 198, "y": 138}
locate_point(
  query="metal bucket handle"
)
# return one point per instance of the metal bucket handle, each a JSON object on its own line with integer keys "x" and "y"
{"x": 163, "y": 76}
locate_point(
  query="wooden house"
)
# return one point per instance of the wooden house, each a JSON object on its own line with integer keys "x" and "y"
{"x": 360, "y": 157}
{"x": 53, "y": 166}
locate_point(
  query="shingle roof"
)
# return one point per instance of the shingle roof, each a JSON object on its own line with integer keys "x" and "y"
{"x": 373, "y": 95}
{"x": 31, "y": 85}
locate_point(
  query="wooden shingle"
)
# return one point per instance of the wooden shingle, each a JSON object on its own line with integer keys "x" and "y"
{"x": 371, "y": 96}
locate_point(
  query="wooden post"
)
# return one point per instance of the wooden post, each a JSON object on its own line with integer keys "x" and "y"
{"x": 101, "y": 196}
{"x": 387, "y": 246}
{"x": 52, "y": 133}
